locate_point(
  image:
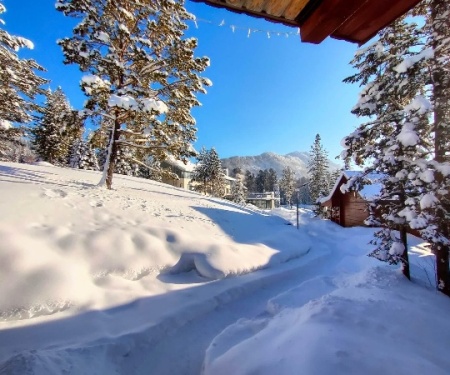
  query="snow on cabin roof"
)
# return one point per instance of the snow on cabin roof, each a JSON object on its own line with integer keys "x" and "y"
{"x": 368, "y": 192}
{"x": 189, "y": 167}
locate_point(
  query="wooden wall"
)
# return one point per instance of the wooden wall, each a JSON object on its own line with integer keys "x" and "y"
{"x": 354, "y": 210}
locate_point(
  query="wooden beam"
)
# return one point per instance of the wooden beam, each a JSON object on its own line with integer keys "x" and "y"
{"x": 294, "y": 9}
{"x": 373, "y": 16}
{"x": 249, "y": 12}
{"x": 277, "y": 7}
{"x": 255, "y": 5}
{"x": 327, "y": 18}
{"x": 235, "y": 3}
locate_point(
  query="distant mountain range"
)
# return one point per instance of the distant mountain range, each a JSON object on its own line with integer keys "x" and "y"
{"x": 297, "y": 160}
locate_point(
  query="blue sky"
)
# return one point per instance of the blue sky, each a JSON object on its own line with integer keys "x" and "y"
{"x": 268, "y": 94}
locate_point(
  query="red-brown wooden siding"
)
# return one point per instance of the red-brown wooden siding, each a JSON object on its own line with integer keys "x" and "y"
{"x": 354, "y": 209}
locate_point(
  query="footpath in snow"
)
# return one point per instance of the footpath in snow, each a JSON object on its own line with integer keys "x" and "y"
{"x": 149, "y": 278}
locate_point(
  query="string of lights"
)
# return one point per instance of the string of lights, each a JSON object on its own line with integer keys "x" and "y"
{"x": 248, "y": 30}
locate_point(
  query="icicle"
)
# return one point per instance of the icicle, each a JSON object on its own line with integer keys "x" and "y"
{"x": 233, "y": 28}
{"x": 286, "y": 35}
{"x": 268, "y": 35}
{"x": 298, "y": 31}
{"x": 222, "y": 23}
{"x": 249, "y": 32}
{"x": 195, "y": 23}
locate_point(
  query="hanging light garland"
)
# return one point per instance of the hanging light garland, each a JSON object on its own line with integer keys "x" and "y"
{"x": 249, "y": 30}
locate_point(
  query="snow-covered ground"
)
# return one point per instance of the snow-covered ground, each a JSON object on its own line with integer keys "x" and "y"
{"x": 148, "y": 278}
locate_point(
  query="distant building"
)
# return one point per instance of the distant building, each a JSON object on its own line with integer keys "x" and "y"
{"x": 183, "y": 171}
{"x": 265, "y": 201}
{"x": 349, "y": 209}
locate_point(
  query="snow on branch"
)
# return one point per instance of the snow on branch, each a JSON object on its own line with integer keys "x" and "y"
{"x": 129, "y": 103}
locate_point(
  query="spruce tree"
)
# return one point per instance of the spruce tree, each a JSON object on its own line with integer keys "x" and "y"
{"x": 287, "y": 184}
{"x": 318, "y": 170}
{"x": 430, "y": 67}
{"x": 438, "y": 233}
{"x": 19, "y": 82}
{"x": 209, "y": 173}
{"x": 83, "y": 156}
{"x": 56, "y": 128}
{"x": 10, "y": 139}
{"x": 238, "y": 189}
{"x": 249, "y": 182}
{"x": 260, "y": 181}
{"x": 389, "y": 146}
{"x": 143, "y": 75}
{"x": 217, "y": 174}
{"x": 201, "y": 171}
{"x": 271, "y": 180}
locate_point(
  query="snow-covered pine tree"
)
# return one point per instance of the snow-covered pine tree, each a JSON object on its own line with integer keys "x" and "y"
{"x": 10, "y": 139}
{"x": 318, "y": 170}
{"x": 19, "y": 82}
{"x": 201, "y": 171}
{"x": 83, "y": 156}
{"x": 260, "y": 181}
{"x": 56, "y": 128}
{"x": 217, "y": 176}
{"x": 287, "y": 184}
{"x": 125, "y": 162}
{"x": 249, "y": 182}
{"x": 271, "y": 180}
{"x": 431, "y": 68}
{"x": 238, "y": 189}
{"x": 140, "y": 68}
{"x": 388, "y": 146}
{"x": 439, "y": 40}
{"x": 209, "y": 172}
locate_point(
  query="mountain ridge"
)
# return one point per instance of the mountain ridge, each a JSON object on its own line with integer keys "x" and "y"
{"x": 297, "y": 160}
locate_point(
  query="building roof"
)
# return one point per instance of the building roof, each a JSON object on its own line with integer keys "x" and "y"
{"x": 351, "y": 20}
{"x": 188, "y": 167}
{"x": 368, "y": 192}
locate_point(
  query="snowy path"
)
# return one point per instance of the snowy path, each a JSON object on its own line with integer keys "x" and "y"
{"x": 184, "y": 350}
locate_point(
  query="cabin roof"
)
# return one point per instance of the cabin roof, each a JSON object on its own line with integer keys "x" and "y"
{"x": 368, "y": 192}
{"x": 351, "y": 20}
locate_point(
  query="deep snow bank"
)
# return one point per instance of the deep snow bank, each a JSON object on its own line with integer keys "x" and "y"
{"x": 372, "y": 322}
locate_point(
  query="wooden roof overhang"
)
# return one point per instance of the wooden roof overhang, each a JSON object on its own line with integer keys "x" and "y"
{"x": 352, "y": 20}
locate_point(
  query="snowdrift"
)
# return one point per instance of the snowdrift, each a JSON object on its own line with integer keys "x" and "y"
{"x": 371, "y": 322}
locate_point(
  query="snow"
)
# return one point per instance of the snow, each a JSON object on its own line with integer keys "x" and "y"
{"x": 358, "y": 324}
{"x": 5, "y": 124}
{"x": 407, "y": 136}
{"x": 428, "y": 201}
{"x": 367, "y": 192}
{"x": 420, "y": 104}
{"x": 186, "y": 167}
{"x": 408, "y": 62}
{"x": 149, "y": 278}
{"x": 129, "y": 103}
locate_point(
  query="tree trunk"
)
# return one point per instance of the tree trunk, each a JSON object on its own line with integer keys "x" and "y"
{"x": 113, "y": 156}
{"x": 405, "y": 257}
{"x": 441, "y": 128}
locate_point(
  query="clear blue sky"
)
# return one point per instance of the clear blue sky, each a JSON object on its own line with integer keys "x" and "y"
{"x": 268, "y": 94}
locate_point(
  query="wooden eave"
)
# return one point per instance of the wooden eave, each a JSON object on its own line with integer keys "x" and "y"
{"x": 352, "y": 20}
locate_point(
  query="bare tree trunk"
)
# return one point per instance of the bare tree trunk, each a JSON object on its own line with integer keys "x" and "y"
{"x": 113, "y": 156}
{"x": 405, "y": 257}
{"x": 441, "y": 96}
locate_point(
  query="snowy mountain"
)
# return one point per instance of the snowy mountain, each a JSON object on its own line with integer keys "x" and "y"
{"x": 149, "y": 278}
{"x": 297, "y": 160}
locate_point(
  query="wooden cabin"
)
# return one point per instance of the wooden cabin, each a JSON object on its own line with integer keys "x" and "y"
{"x": 348, "y": 209}
{"x": 351, "y": 20}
